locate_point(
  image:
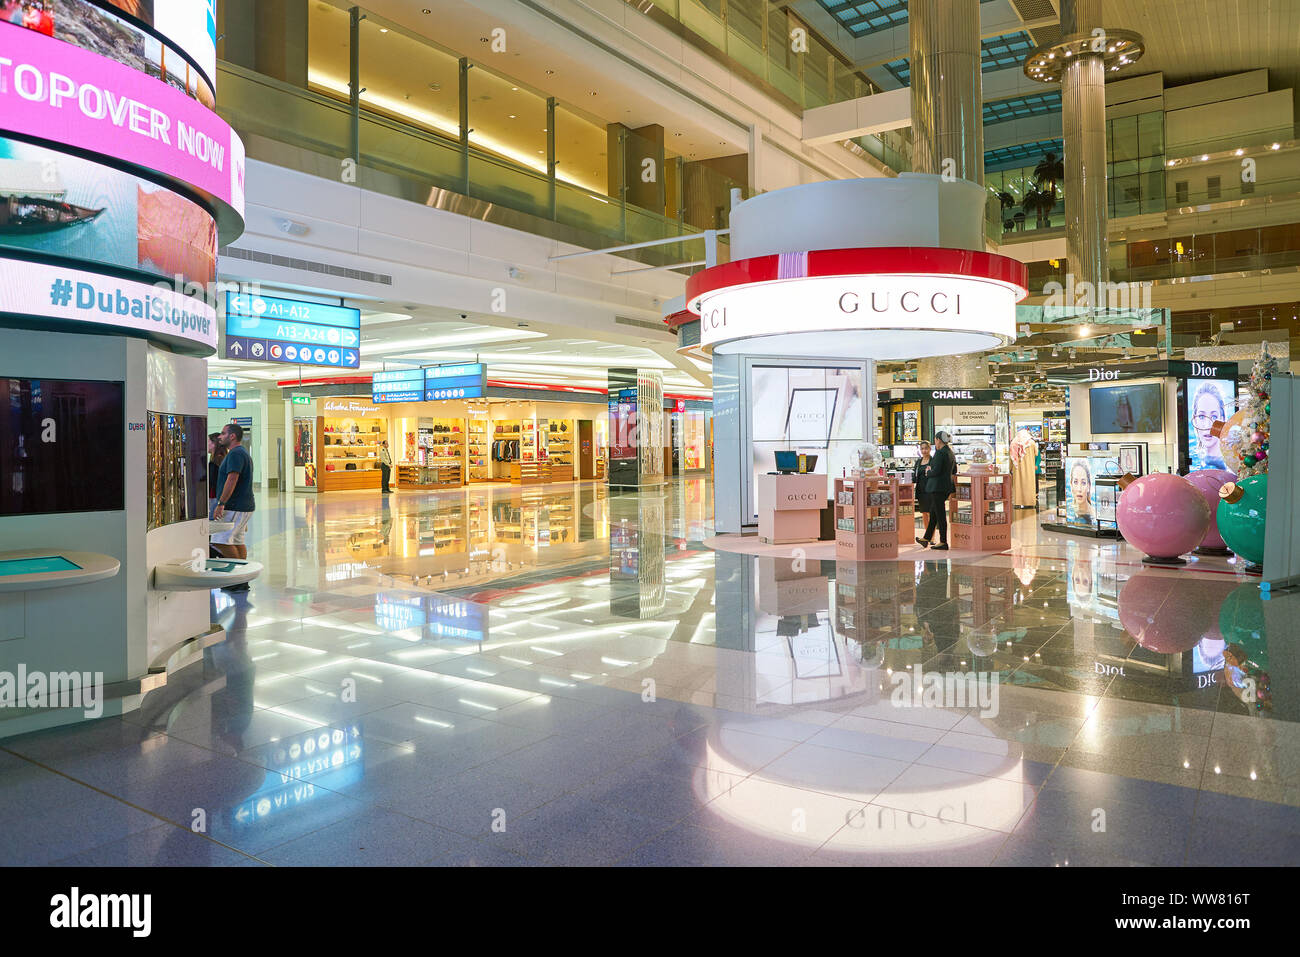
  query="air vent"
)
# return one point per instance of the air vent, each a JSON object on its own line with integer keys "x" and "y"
{"x": 657, "y": 327}
{"x": 1048, "y": 35}
{"x": 1031, "y": 10}
{"x": 306, "y": 265}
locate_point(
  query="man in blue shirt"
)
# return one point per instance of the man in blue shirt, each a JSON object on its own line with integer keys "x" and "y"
{"x": 234, "y": 493}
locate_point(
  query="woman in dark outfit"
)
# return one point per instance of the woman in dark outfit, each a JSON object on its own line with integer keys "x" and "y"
{"x": 938, "y": 486}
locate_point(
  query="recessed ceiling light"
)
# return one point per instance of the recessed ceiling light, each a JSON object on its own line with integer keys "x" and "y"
{"x": 512, "y": 116}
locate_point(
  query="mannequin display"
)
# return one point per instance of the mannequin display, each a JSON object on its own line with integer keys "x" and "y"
{"x": 1024, "y": 470}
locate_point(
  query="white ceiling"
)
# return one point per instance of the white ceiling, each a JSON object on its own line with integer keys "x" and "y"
{"x": 394, "y": 336}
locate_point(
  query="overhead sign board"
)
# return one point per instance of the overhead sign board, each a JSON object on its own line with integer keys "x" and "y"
{"x": 269, "y": 329}
{"x": 403, "y": 385}
{"x": 221, "y": 393}
{"x": 465, "y": 381}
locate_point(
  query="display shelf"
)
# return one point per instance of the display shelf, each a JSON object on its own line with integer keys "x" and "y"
{"x": 866, "y": 517}
{"x": 906, "y": 513}
{"x": 530, "y": 473}
{"x": 980, "y": 512}
{"x": 350, "y": 442}
{"x": 429, "y": 476}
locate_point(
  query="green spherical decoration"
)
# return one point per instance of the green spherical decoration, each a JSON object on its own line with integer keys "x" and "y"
{"x": 1241, "y": 523}
{"x": 1241, "y": 622}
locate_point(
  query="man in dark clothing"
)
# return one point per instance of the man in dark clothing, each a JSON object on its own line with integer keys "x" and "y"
{"x": 938, "y": 486}
{"x": 234, "y": 493}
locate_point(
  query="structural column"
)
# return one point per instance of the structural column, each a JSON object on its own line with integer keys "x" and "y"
{"x": 947, "y": 91}
{"x": 1083, "y": 113}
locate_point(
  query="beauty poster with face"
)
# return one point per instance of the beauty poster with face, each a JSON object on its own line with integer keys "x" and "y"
{"x": 1079, "y": 508}
{"x": 1208, "y": 401}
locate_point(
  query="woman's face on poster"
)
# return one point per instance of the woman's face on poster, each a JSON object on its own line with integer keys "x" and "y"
{"x": 1081, "y": 487}
{"x": 1208, "y": 410}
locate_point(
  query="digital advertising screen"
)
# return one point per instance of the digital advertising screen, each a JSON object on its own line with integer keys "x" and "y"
{"x": 1079, "y": 508}
{"x": 1122, "y": 409}
{"x": 91, "y": 27}
{"x": 1208, "y": 401}
{"x": 62, "y": 205}
{"x": 46, "y": 430}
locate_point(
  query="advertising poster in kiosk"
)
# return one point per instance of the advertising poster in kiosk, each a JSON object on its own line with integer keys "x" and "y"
{"x": 1085, "y": 503}
{"x": 622, "y": 425}
{"x": 816, "y": 411}
{"x": 1208, "y": 401}
{"x": 1078, "y": 492}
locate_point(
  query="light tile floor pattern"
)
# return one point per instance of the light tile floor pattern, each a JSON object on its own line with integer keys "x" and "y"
{"x": 377, "y": 703}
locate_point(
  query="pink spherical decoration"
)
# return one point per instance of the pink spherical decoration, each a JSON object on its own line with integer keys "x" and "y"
{"x": 1168, "y": 614}
{"x": 1209, "y": 481}
{"x": 1162, "y": 514}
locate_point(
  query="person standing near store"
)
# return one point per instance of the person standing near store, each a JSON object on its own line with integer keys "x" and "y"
{"x": 234, "y": 496}
{"x": 385, "y": 466}
{"x": 938, "y": 486}
{"x": 922, "y": 505}
{"x": 215, "y": 454}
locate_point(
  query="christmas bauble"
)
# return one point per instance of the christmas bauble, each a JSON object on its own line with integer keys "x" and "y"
{"x": 1208, "y": 482}
{"x": 1231, "y": 431}
{"x": 1162, "y": 514}
{"x": 1268, "y": 408}
{"x": 1241, "y": 523}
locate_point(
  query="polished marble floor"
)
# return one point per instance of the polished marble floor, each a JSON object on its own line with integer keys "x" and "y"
{"x": 497, "y": 676}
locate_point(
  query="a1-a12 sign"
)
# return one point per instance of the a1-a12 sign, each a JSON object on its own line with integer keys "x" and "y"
{"x": 268, "y": 329}
{"x": 221, "y": 393}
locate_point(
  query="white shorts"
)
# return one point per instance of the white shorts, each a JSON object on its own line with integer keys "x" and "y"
{"x": 236, "y": 534}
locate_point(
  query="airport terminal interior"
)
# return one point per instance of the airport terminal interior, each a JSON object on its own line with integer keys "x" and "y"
{"x": 657, "y": 433}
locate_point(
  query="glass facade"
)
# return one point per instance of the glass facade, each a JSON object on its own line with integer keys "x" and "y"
{"x": 426, "y": 122}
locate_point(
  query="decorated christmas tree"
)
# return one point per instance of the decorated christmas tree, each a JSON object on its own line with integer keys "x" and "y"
{"x": 1251, "y": 443}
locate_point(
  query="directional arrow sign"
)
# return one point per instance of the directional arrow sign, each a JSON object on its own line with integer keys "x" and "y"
{"x": 236, "y": 348}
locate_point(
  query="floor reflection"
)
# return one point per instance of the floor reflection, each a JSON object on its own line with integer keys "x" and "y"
{"x": 581, "y": 661}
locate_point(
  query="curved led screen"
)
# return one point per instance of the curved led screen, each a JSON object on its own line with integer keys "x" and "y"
{"x": 64, "y": 295}
{"x": 190, "y": 24}
{"x": 101, "y": 31}
{"x": 69, "y": 207}
{"x": 59, "y": 93}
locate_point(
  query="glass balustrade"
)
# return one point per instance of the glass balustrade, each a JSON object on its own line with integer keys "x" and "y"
{"x": 428, "y": 125}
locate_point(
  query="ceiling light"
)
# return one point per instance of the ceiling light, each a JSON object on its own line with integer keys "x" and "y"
{"x": 1239, "y": 152}
{"x": 1276, "y": 146}
{"x": 1204, "y": 157}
